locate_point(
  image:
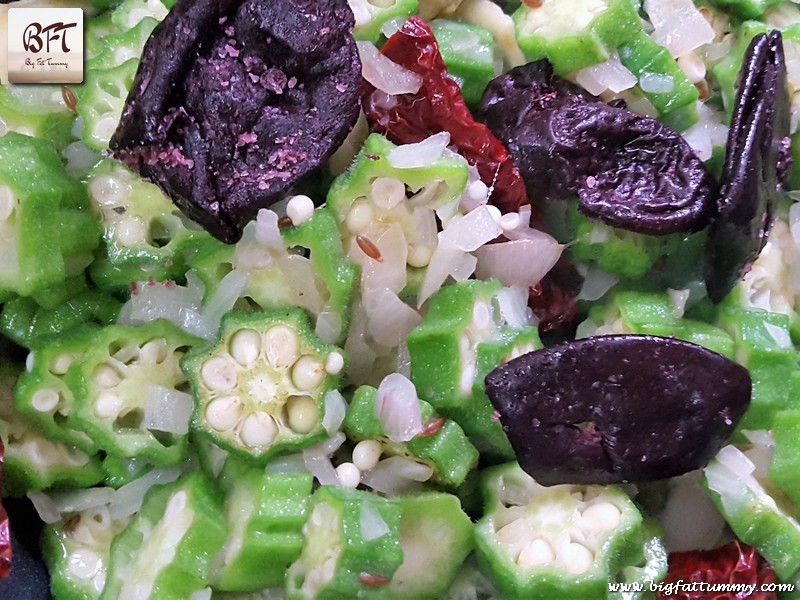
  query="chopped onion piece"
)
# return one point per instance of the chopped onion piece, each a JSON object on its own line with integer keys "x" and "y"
{"x": 390, "y": 320}
{"x": 678, "y": 300}
{"x": 385, "y": 74}
{"x": 519, "y": 263}
{"x": 287, "y": 465}
{"x": 318, "y": 462}
{"x": 372, "y": 524}
{"x": 167, "y": 410}
{"x": 78, "y": 500}
{"x": 678, "y": 25}
{"x": 45, "y": 507}
{"x": 156, "y": 300}
{"x": 129, "y": 497}
{"x": 690, "y": 519}
{"x": 396, "y": 475}
{"x": 204, "y": 594}
{"x": 609, "y": 75}
{"x": 335, "y": 409}
{"x": 471, "y": 231}
{"x": 596, "y": 283}
{"x": 779, "y": 335}
{"x": 446, "y": 259}
{"x": 420, "y": 154}
{"x": 513, "y": 305}
{"x": 328, "y": 327}
{"x": 222, "y": 301}
{"x": 397, "y": 408}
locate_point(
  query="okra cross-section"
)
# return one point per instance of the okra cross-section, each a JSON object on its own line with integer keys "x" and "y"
{"x": 259, "y": 390}
{"x": 128, "y": 390}
{"x": 565, "y": 541}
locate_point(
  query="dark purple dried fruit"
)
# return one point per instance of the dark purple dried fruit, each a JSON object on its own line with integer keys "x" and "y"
{"x": 629, "y": 171}
{"x": 755, "y": 163}
{"x": 235, "y": 101}
{"x": 618, "y": 408}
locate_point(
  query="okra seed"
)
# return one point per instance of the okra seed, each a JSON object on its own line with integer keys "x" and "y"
{"x": 349, "y": 475}
{"x": 300, "y": 209}
{"x": 8, "y": 202}
{"x": 107, "y": 405}
{"x": 419, "y": 255}
{"x": 307, "y": 373}
{"x": 219, "y": 374}
{"x": 223, "y": 413}
{"x": 131, "y": 231}
{"x": 84, "y": 563}
{"x": 153, "y": 352}
{"x": 302, "y": 413}
{"x": 105, "y": 377}
{"x": 281, "y": 346}
{"x": 536, "y": 553}
{"x": 334, "y": 363}
{"x": 245, "y": 347}
{"x": 359, "y": 217}
{"x": 510, "y": 221}
{"x": 61, "y": 364}
{"x": 366, "y": 454}
{"x": 387, "y": 192}
{"x": 602, "y": 516}
{"x": 45, "y": 400}
{"x": 106, "y": 190}
{"x": 495, "y": 213}
{"x": 577, "y": 558}
{"x": 258, "y": 429}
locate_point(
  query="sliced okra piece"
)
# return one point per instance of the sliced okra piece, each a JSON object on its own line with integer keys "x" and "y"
{"x": 313, "y": 248}
{"x": 463, "y": 337}
{"x": 32, "y": 461}
{"x": 574, "y": 35}
{"x": 36, "y": 110}
{"x": 745, "y": 9}
{"x": 265, "y": 513}
{"x": 352, "y": 546}
{"x": 764, "y": 346}
{"x": 42, "y": 393}
{"x": 647, "y": 313}
{"x": 676, "y": 99}
{"x": 759, "y": 513}
{"x": 211, "y": 458}
{"x": 436, "y": 537}
{"x": 144, "y": 235}
{"x": 564, "y": 541}
{"x": 128, "y": 392}
{"x": 442, "y": 445}
{"x": 119, "y": 471}
{"x": 167, "y": 549}
{"x": 649, "y": 569}
{"x": 260, "y": 389}
{"x": 469, "y": 53}
{"x": 372, "y": 16}
{"x": 784, "y": 469}
{"x": 373, "y": 199}
{"x": 25, "y": 320}
{"x": 76, "y": 551}
{"x": 46, "y": 232}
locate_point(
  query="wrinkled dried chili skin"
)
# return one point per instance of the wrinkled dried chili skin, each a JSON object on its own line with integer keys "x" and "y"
{"x": 236, "y": 101}
{"x": 618, "y": 408}
{"x": 734, "y": 563}
{"x": 756, "y": 159}
{"x": 439, "y": 106}
{"x": 5, "y": 531}
{"x": 628, "y": 171}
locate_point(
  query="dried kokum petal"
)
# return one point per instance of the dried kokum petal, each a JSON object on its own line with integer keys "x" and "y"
{"x": 755, "y": 160}
{"x": 618, "y": 408}
{"x": 235, "y": 101}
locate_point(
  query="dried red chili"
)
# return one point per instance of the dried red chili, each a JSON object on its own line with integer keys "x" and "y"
{"x": 439, "y": 106}
{"x": 735, "y": 563}
{"x": 5, "y": 532}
